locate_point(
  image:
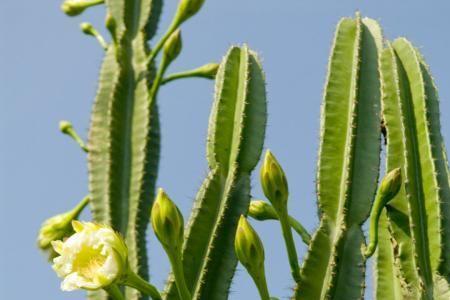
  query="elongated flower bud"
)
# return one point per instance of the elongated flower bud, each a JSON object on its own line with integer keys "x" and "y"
{"x": 261, "y": 210}
{"x": 173, "y": 45}
{"x": 249, "y": 248}
{"x": 208, "y": 70}
{"x": 167, "y": 222}
{"x": 93, "y": 258}
{"x": 187, "y": 9}
{"x": 58, "y": 227}
{"x": 76, "y": 7}
{"x": 274, "y": 182}
{"x": 389, "y": 187}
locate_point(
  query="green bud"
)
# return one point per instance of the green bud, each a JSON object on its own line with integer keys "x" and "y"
{"x": 167, "y": 222}
{"x": 261, "y": 211}
{"x": 173, "y": 45}
{"x": 87, "y": 28}
{"x": 208, "y": 70}
{"x": 58, "y": 227}
{"x": 65, "y": 127}
{"x": 187, "y": 9}
{"x": 249, "y": 248}
{"x": 390, "y": 185}
{"x": 111, "y": 24}
{"x": 274, "y": 182}
{"x": 76, "y": 7}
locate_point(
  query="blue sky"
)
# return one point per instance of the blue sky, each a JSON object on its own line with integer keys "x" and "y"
{"x": 48, "y": 72}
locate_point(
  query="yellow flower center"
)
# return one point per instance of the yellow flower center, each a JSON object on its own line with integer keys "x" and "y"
{"x": 88, "y": 261}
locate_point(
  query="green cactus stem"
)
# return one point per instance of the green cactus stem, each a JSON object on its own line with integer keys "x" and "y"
{"x": 418, "y": 217}
{"x": 348, "y": 164}
{"x": 235, "y": 141}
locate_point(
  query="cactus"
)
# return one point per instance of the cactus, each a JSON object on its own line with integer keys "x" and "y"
{"x": 235, "y": 141}
{"x": 369, "y": 83}
{"x": 419, "y": 216}
{"x": 348, "y": 164}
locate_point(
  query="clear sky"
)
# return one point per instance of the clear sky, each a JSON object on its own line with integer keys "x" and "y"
{"x": 48, "y": 72}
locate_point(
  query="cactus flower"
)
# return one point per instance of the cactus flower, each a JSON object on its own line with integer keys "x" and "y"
{"x": 167, "y": 222}
{"x": 93, "y": 258}
{"x": 274, "y": 182}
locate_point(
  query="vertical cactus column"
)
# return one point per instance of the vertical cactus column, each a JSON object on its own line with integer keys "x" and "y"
{"x": 235, "y": 141}
{"x": 334, "y": 266}
{"x": 419, "y": 218}
{"x": 124, "y": 134}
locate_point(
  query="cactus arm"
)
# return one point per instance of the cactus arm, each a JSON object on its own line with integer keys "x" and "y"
{"x": 125, "y": 135}
{"x": 386, "y": 272}
{"x": 235, "y": 141}
{"x": 411, "y": 110}
{"x": 439, "y": 155}
{"x": 348, "y": 164}
{"x": 397, "y": 211}
{"x": 412, "y": 99}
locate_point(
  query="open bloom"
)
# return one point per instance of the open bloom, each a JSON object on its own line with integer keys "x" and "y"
{"x": 92, "y": 258}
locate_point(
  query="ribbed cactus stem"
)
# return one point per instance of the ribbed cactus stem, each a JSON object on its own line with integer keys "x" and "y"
{"x": 235, "y": 141}
{"x": 348, "y": 164}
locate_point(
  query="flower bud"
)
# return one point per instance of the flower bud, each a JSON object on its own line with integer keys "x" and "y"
{"x": 187, "y": 9}
{"x": 274, "y": 183}
{"x": 76, "y": 7}
{"x": 58, "y": 227}
{"x": 65, "y": 127}
{"x": 167, "y": 222}
{"x": 87, "y": 28}
{"x": 173, "y": 45}
{"x": 249, "y": 248}
{"x": 94, "y": 257}
{"x": 208, "y": 70}
{"x": 390, "y": 185}
{"x": 261, "y": 210}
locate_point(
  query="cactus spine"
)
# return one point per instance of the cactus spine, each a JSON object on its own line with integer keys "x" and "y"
{"x": 235, "y": 141}
{"x": 348, "y": 164}
{"x": 419, "y": 216}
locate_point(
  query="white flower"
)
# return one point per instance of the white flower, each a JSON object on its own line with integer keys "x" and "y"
{"x": 92, "y": 258}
